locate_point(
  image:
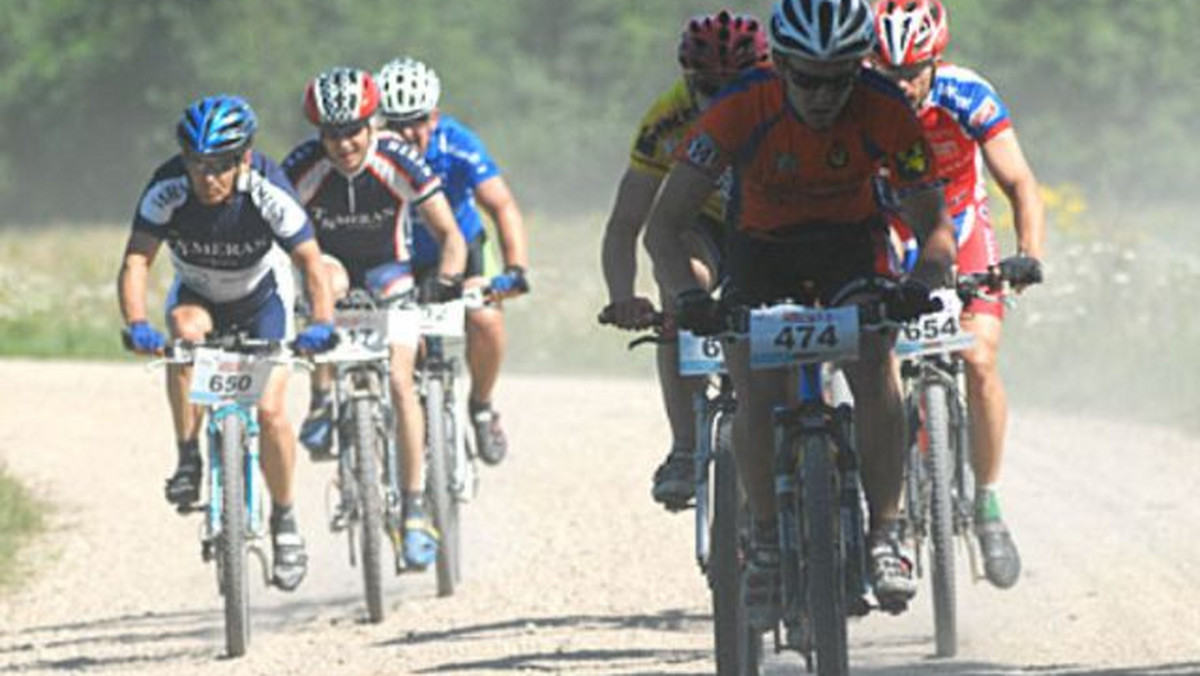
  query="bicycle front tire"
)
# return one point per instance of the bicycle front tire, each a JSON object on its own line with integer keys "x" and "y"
{"x": 731, "y": 633}
{"x": 941, "y": 519}
{"x": 823, "y": 554}
{"x": 232, "y": 541}
{"x": 366, "y": 449}
{"x": 445, "y": 509}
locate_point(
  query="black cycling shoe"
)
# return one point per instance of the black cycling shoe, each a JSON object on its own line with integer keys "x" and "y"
{"x": 183, "y": 487}
{"x": 1001, "y": 560}
{"x": 675, "y": 480}
{"x": 289, "y": 560}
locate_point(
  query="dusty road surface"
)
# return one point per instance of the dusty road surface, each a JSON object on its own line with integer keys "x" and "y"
{"x": 570, "y": 568}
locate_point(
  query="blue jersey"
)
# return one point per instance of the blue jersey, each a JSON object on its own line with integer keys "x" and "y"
{"x": 362, "y": 218}
{"x": 222, "y": 252}
{"x": 462, "y": 162}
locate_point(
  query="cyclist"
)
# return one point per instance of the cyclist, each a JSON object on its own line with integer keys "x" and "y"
{"x": 221, "y": 207}
{"x": 713, "y": 50}
{"x": 966, "y": 122}
{"x": 357, "y": 185}
{"x": 411, "y": 91}
{"x": 804, "y": 142}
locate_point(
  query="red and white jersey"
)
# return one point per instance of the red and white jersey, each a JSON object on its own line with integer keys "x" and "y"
{"x": 962, "y": 113}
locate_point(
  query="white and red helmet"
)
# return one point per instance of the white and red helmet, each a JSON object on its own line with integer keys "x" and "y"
{"x": 910, "y": 31}
{"x": 341, "y": 96}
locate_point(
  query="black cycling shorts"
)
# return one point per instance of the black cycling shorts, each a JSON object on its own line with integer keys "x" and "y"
{"x": 475, "y": 260}
{"x": 805, "y": 263}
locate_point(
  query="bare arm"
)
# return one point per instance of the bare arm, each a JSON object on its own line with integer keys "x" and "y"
{"x": 495, "y": 197}
{"x": 1004, "y": 159}
{"x": 439, "y": 218}
{"x": 307, "y": 257}
{"x": 683, "y": 194}
{"x": 925, "y": 212}
{"x": 635, "y": 196}
{"x": 134, "y": 276}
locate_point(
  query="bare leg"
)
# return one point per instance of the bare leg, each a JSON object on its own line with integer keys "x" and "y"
{"x": 880, "y": 425}
{"x": 187, "y": 322}
{"x": 987, "y": 402}
{"x": 410, "y": 419}
{"x": 278, "y": 457}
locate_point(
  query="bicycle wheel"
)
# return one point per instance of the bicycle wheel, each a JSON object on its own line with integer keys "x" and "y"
{"x": 437, "y": 485}
{"x": 454, "y": 436}
{"x": 824, "y": 557}
{"x": 941, "y": 519}
{"x": 725, "y": 565}
{"x": 231, "y": 544}
{"x": 370, "y": 507}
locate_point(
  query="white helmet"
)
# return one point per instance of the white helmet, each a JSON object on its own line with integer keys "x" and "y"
{"x": 824, "y": 30}
{"x": 410, "y": 89}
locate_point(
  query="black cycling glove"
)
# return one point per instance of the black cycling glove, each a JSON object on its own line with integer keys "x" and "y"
{"x": 698, "y": 312}
{"x": 908, "y": 300}
{"x": 1021, "y": 270}
{"x": 439, "y": 289}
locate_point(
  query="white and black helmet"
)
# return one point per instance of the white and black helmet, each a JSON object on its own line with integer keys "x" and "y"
{"x": 410, "y": 89}
{"x": 823, "y": 30}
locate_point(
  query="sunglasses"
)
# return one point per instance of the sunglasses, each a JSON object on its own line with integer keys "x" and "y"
{"x": 337, "y": 132}
{"x": 212, "y": 164}
{"x": 400, "y": 125}
{"x": 905, "y": 73}
{"x": 809, "y": 82}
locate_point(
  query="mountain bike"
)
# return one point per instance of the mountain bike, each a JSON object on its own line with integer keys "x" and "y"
{"x": 721, "y": 522}
{"x": 939, "y": 479}
{"x": 230, "y": 373}
{"x": 368, "y": 505}
{"x": 451, "y": 472}
{"x": 818, "y": 486}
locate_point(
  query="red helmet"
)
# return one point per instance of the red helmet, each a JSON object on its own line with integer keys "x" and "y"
{"x": 341, "y": 96}
{"x": 722, "y": 43}
{"x": 910, "y": 31}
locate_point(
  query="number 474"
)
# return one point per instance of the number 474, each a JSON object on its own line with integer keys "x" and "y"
{"x": 804, "y": 337}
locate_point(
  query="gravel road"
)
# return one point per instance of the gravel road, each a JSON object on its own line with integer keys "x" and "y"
{"x": 570, "y": 569}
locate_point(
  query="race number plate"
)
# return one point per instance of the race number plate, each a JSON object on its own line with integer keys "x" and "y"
{"x": 443, "y": 319}
{"x": 785, "y": 335}
{"x": 363, "y": 332}
{"x": 700, "y": 355}
{"x": 936, "y": 331}
{"x": 224, "y": 377}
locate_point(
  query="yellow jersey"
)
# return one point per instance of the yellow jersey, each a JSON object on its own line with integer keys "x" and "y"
{"x": 662, "y": 129}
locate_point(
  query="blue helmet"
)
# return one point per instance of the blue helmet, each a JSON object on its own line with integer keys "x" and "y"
{"x": 216, "y": 124}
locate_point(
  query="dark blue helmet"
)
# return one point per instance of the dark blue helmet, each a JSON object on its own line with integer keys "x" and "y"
{"x": 216, "y": 124}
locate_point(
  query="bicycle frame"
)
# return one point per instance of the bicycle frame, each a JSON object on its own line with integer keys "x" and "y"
{"x": 812, "y": 416}
{"x": 949, "y": 372}
{"x": 255, "y": 524}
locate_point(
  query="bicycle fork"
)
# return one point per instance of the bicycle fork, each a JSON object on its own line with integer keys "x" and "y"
{"x": 255, "y": 526}
{"x": 814, "y": 418}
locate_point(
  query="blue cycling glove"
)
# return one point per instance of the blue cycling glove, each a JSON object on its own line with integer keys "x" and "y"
{"x": 511, "y": 281}
{"x": 316, "y": 338}
{"x": 142, "y": 337}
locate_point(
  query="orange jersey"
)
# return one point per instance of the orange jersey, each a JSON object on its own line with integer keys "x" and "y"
{"x": 786, "y": 173}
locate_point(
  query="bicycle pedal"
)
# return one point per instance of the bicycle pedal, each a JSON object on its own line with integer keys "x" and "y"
{"x": 191, "y": 508}
{"x": 893, "y": 606}
{"x": 860, "y": 607}
{"x": 674, "y": 507}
